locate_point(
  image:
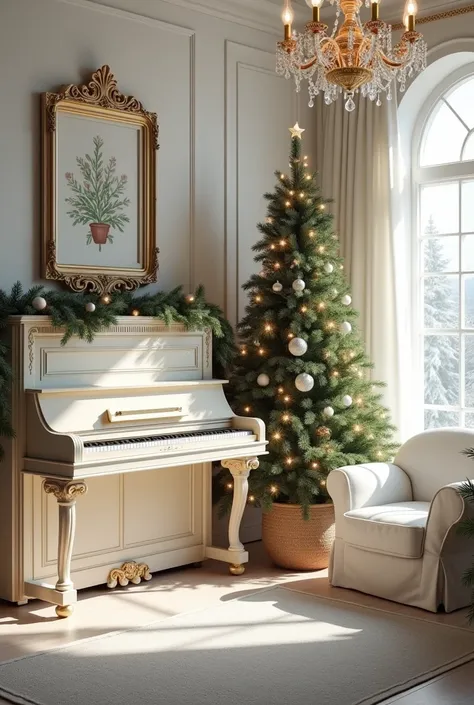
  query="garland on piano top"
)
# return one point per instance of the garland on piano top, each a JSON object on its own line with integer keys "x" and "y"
{"x": 85, "y": 315}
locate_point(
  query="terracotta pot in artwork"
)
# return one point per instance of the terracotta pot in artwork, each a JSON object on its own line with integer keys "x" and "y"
{"x": 296, "y": 543}
{"x": 99, "y": 232}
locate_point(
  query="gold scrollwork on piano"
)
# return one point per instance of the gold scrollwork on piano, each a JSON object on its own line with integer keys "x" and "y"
{"x": 130, "y": 572}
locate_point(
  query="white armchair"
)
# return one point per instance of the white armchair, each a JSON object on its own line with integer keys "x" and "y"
{"x": 396, "y": 524}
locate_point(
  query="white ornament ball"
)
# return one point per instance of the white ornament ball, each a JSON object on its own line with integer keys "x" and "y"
{"x": 346, "y": 400}
{"x": 346, "y": 327}
{"x": 346, "y": 300}
{"x": 90, "y": 307}
{"x": 328, "y": 411}
{"x": 298, "y": 347}
{"x": 263, "y": 380}
{"x": 328, "y": 268}
{"x": 277, "y": 287}
{"x": 299, "y": 285}
{"x": 39, "y": 303}
{"x": 304, "y": 382}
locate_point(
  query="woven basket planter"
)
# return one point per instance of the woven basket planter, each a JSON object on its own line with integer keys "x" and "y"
{"x": 295, "y": 543}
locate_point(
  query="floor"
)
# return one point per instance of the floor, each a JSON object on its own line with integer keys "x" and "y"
{"x": 34, "y": 627}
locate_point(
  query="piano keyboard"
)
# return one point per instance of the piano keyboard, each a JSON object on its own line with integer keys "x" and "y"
{"x": 165, "y": 441}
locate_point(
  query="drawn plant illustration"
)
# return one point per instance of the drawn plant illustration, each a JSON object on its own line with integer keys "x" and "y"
{"x": 100, "y": 199}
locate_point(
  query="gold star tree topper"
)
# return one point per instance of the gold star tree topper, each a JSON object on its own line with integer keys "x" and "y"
{"x": 296, "y": 131}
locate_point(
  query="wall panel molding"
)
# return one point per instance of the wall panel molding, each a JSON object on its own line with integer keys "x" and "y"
{"x": 191, "y": 36}
{"x": 132, "y": 16}
{"x": 241, "y": 58}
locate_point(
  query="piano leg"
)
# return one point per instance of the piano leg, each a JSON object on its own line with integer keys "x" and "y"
{"x": 65, "y": 492}
{"x": 240, "y": 470}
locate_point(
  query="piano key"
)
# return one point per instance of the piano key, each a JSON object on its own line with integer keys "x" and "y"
{"x": 164, "y": 440}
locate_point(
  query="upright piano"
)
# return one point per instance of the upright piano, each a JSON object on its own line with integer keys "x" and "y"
{"x": 128, "y": 426}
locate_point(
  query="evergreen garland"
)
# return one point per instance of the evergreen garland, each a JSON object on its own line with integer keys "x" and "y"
{"x": 67, "y": 312}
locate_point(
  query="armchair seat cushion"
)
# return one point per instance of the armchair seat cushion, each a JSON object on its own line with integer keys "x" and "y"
{"x": 397, "y": 529}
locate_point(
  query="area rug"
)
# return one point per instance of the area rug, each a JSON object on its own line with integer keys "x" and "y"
{"x": 273, "y": 647}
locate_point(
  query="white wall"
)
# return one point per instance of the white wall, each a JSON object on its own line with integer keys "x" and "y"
{"x": 223, "y": 117}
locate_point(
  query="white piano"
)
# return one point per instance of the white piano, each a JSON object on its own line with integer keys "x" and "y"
{"x": 128, "y": 427}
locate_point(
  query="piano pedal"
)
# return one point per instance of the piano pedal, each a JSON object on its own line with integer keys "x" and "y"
{"x": 236, "y": 569}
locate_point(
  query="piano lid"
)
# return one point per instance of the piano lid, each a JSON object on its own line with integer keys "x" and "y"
{"x": 117, "y": 410}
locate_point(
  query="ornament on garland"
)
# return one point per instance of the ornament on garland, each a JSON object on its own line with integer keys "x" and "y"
{"x": 346, "y": 300}
{"x": 90, "y": 307}
{"x": 39, "y": 303}
{"x": 263, "y": 380}
{"x": 106, "y": 299}
{"x": 277, "y": 287}
{"x": 298, "y": 285}
{"x": 347, "y": 400}
{"x": 329, "y": 268}
{"x": 304, "y": 382}
{"x": 298, "y": 347}
{"x": 328, "y": 411}
{"x": 346, "y": 327}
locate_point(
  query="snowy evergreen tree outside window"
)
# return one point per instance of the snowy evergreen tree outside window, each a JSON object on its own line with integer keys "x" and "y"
{"x": 445, "y": 179}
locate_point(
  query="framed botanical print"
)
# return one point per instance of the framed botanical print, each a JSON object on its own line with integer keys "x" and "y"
{"x": 99, "y": 187}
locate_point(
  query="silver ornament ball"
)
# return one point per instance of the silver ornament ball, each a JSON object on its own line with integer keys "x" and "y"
{"x": 39, "y": 303}
{"x": 90, "y": 307}
{"x": 304, "y": 382}
{"x": 263, "y": 380}
{"x": 329, "y": 268}
{"x": 298, "y": 285}
{"x": 297, "y": 347}
{"x": 346, "y": 300}
{"x": 277, "y": 287}
{"x": 328, "y": 411}
{"x": 346, "y": 400}
{"x": 346, "y": 327}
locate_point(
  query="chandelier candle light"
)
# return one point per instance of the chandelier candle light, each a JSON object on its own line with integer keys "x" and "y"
{"x": 354, "y": 56}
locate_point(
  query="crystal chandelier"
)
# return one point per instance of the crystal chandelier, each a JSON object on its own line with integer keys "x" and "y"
{"x": 354, "y": 56}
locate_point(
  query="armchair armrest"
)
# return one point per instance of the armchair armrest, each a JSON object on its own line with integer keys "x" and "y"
{"x": 368, "y": 485}
{"x": 448, "y": 508}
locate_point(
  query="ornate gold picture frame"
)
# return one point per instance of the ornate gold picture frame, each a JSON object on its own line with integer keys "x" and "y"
{"x": 98, "y": 187}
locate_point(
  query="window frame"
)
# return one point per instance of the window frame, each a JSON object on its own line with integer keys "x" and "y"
{"x": 422, "y": 176}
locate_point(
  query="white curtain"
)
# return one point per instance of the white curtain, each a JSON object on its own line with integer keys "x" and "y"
{"x": 357, "y": 159}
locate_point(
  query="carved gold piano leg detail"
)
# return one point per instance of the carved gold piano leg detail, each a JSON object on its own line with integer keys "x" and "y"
{"x": 129, "y": 572}
{"x": 66, "y": 492}
{"x": 240, "y": 470}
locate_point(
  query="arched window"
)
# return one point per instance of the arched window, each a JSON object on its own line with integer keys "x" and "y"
{"x": 444, "y": 180}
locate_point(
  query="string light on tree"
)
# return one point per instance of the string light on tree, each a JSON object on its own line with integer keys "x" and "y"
{"x": 135, "y": 312}
{"x": 190, "y": 298}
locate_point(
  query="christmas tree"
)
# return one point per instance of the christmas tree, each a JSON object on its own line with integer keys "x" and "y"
{"x": 302, "y": 367}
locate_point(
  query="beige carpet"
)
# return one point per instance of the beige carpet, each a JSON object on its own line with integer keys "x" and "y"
{"x": 273, "y": 647}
